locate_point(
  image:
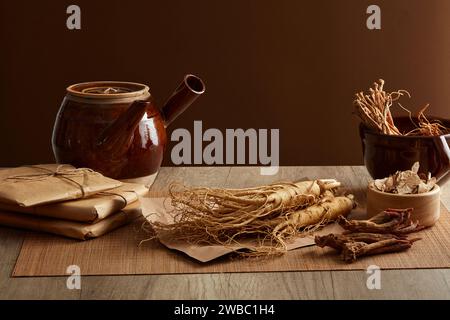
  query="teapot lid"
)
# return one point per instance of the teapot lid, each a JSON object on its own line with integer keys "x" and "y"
{"x": 108, "y": 90}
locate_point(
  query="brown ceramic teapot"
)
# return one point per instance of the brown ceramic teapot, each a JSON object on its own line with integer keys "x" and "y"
{"x": 115, "y": 127}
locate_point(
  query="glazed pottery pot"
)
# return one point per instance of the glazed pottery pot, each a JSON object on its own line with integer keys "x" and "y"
{"x": 116, "y": 129}
{"x": 386, "y": 154}
{"x": 426, "y": 205}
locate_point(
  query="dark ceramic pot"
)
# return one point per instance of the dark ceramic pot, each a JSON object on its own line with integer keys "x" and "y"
{"x": 386, "y": 154}
{"x": 115, "y": 127}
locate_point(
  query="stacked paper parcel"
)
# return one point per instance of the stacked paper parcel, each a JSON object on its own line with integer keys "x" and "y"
{"x": 60, "y": 199}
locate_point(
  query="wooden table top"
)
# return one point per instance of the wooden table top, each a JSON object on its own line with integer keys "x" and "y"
{"x": 395, "y": 284}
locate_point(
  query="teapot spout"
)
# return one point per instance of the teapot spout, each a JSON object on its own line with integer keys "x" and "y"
{"x": 185, "y": 94}
{"x": 118, "y": 136}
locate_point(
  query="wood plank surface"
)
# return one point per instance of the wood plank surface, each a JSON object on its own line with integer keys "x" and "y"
{"x": 400, "y": 284}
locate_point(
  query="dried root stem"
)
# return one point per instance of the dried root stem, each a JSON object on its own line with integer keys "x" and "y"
{"x": 426, "y": 127}
{"x": 385, "y": 232}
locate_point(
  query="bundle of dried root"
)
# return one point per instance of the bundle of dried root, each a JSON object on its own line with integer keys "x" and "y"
{"x": 374, "y": 110}
{"x": 385, "y": 232}
{"x": 271, "y": 214}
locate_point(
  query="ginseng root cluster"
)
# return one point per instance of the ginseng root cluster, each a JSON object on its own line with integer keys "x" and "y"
{"x": 272, "y": 214}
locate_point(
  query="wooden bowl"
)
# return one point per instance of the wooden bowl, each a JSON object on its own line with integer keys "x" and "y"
{"x": 426, "y": 205}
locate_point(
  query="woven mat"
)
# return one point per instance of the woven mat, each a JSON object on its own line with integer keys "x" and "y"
{"x": 118, "y": 253}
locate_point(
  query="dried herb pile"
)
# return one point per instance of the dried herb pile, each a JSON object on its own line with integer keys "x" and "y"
{"x": 405, "y": 182}
{"x": 383, "y": 233}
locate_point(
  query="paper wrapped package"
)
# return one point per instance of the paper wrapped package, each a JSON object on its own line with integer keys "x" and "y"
{"x": 71, "y": 229}
{"x": 42, "y": 184}
{"x": 88, "y": 210}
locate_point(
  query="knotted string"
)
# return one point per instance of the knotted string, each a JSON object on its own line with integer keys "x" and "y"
{"x": 63, "y": 174}
{"x": 110, "y": 193}
{"x": 66, "y": 174}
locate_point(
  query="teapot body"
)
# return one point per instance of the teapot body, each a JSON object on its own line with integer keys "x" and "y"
{"x": 86, "y": 113}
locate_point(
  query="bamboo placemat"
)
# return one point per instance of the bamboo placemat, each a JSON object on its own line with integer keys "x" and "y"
{"x": 118, "y": 253}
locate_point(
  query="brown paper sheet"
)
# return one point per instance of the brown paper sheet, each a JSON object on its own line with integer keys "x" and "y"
{"x": 156, "y": 209}
{"x": 88, "y": 210}
{"x": 35, "y": 185}
{"x": 71, "y": 229}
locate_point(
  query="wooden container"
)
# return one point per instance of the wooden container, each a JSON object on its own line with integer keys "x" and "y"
{"x": 426, "y": 205}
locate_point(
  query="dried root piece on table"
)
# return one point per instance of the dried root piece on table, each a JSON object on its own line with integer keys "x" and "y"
{"x": 337, "y": 241}
{"x": 352, "y": 246}
{"x": 353, "y": 250}
{"x": 405, "y": 182}
{"x": 385, "y": 232}
{"x": 271, "y": 215}
{"x": 394, "y": 221}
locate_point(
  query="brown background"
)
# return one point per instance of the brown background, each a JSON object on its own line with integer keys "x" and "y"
{"x": 292, "y": 65}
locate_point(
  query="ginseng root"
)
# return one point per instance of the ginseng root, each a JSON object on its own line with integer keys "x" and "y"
{"x": 314, "y": 215}
{"x": 271, "y": 215}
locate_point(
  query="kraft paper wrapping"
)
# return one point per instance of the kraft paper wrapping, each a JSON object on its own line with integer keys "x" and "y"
{"x": 71, "y": 229}
{"x": 157, "y": 209}
{"x": 88, "y": 210}
{"x": 47, "y": 183}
